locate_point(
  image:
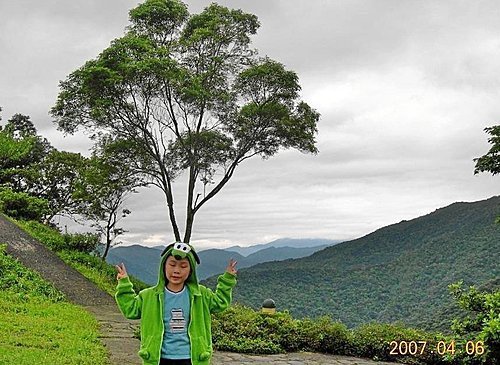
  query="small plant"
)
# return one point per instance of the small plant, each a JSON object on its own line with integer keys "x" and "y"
{"x": 22, "y": 283}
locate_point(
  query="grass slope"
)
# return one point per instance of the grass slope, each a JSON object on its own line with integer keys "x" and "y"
{"x": 39, "y": 326}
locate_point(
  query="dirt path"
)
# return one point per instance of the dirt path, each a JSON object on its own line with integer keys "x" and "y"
{"x": 116, "y": 331}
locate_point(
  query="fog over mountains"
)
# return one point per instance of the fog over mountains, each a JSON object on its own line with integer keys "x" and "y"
{"x": 143, "y": 262}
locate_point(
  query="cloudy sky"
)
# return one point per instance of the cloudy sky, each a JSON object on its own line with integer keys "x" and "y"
{"x": 404, "y": 88}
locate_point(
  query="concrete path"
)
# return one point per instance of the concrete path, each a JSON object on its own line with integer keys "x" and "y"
{"x": 300, "y": 358}
{"x": 116, "y": 331}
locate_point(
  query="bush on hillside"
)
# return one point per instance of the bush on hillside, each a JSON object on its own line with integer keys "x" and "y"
{"x": 57, "y": 241}
{"x": 81, "y": 242}
{"x": 481, "y": 323}
{"x": 242, "y": 329}
{"x": 22, "y": 205}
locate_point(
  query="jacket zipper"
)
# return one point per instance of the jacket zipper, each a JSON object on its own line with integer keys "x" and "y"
{"x": 161, "y": 297}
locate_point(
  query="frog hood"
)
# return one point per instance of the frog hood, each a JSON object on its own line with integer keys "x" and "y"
{"x": 179, "y": 250}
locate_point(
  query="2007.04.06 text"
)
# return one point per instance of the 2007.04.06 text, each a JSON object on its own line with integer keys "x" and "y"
{"x": 442, "y": 347}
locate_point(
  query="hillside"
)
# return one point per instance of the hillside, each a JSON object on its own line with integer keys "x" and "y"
{"x": 397, "y": 273}
{"x": 143, "y": 262}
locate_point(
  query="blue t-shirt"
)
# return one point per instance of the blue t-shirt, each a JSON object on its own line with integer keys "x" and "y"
{"x": 176, "y": 310}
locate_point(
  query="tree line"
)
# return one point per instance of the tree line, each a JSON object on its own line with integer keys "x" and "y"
{"x": 39, "y": 182}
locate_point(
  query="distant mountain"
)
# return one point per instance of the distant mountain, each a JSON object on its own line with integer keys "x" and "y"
{"x": 284, "y": 242}
{"x": 142, "y": 262}
{"x": 397, "y": 273}
{"x": 214, "y": 261}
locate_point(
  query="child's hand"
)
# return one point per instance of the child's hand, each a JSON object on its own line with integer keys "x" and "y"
{"x": 122, "y": 272}
{"x": 231, "y": 267}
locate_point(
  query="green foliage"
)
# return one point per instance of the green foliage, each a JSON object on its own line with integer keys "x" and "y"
{"x": 20, "y": 147}
{"x": 481, "y": 323}
{"x": 22, "y": 283}
{"x": 490, "y": 162}
{"x": 38, "y": 326}
{"x": 242, "y": 329}
{"x": 21, "y": 205}
{"x": 56, "y": 241}
{"x": 105, "y": 181}
{"x": 54, "y": 179}
{"x": 81, "y": 242}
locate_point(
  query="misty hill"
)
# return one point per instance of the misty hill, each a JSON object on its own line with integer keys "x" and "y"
{"x": 284, "y": 242}
{"x": 398, "y": 273}
{"x": 143, "y": 262}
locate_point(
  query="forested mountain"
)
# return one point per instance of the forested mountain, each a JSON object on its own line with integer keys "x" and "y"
{"x": 398, "y": 273}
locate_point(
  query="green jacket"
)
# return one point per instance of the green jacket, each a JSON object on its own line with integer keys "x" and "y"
{"x": 148, "y": 306}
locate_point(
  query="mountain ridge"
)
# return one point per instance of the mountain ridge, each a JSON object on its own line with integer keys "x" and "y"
{"x": 391, "y": 274}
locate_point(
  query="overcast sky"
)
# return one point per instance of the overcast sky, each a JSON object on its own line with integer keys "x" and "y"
{"x": 404, "y": 88}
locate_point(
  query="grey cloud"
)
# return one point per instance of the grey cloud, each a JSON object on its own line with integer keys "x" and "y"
{"x": 404, "y": 88}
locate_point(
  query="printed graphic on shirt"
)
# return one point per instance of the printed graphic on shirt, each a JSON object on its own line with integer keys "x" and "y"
{"x": 178, "y": 322}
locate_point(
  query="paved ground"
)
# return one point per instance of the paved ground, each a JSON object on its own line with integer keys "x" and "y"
{"x": 301, "y": 358}
{"x": 116, "y": 331}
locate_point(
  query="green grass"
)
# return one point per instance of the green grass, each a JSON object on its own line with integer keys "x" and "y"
{"x": 35, "y": 331}
{"x": 38, "y": 326}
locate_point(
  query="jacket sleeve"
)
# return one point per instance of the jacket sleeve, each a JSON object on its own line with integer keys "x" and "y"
{"x": 128, "y": 301}
{"x": 221, "y": 298}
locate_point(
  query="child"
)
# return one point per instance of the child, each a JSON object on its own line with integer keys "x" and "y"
{"x": 175, "y": 314}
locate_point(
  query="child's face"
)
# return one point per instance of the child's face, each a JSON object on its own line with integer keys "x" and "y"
{"x": 177, "y": 271}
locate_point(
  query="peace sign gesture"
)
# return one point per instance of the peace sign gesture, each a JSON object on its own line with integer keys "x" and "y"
{"x": 122, "y": 271}
{"x": 231, "y": 267}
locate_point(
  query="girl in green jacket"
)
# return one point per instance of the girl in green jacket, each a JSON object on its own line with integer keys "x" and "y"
{"x": 175, "y": 313}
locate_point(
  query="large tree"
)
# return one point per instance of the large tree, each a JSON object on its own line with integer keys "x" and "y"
{"x": 191, "y": 97}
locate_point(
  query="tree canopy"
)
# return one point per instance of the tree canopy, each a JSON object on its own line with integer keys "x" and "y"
{"x": 490, "y": 162}
{"x": 189, "y": 96}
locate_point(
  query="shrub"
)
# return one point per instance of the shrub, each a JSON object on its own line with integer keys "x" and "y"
{"x": 81, "y": 242}
{"x": 22, "y": 205}
{"x": 50, "y": 237}
{"x": 53, "y": 239}
{"x": 481, "y": 323}
{"x": 241, "y": 329}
